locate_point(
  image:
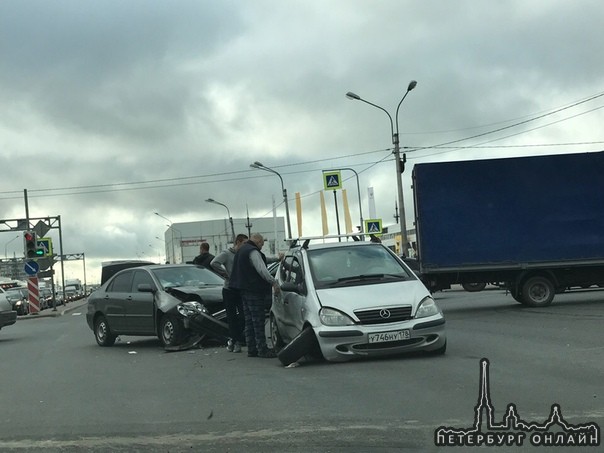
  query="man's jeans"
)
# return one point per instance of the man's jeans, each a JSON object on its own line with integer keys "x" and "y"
{"x": 254, "y": 309}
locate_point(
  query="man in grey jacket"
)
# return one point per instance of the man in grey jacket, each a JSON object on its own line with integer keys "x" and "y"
{"x": 222, "y": 264}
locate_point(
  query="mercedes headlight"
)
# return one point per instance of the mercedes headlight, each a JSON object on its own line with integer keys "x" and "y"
{"x": 190, "y": 308}
{"x": 331, "y": 317}
{"x": 427, "y": 307}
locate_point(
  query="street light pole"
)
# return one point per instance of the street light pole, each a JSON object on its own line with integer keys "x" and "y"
{"x": 173, "y": 257}
{"x": 397, "y": 158}
{"x": 259, "y": 166}
{"x": 6, "y": 245}
{"x": 211, "y": 200}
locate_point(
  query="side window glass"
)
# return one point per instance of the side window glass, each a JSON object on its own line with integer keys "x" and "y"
{"x": 141, "y": 277}
{"x": 122, "y": 283}
{"x": 284, "y": 268}
{"x": 295, "y": 275}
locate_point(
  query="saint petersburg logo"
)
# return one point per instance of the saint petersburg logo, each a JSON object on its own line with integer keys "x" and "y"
{"x": 512, "y": 430}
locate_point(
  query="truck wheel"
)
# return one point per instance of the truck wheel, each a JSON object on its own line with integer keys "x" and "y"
{"x": 538, "y": 292}
{"x": 304, "y": 343}
{"x": 102, "y": 333}
{"x": 474, "y": 287}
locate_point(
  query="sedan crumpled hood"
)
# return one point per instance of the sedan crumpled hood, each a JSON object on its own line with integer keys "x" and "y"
{"x": 210, "y": 295}
{"x": 350, "y": 298}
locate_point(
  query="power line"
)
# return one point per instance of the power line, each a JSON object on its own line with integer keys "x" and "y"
{"x": 192, "y": 180}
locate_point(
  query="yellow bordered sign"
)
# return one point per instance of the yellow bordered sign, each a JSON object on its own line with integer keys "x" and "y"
{"x": 373, "y": 226}
{"x": 45, "y": 244}
{"x": 332, "y": 180}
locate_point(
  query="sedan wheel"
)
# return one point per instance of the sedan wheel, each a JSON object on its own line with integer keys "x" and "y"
{"x": 102, "y": 333}
{"x": 171, "y": 331}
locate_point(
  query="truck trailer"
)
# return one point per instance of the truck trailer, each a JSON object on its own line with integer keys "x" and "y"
{"x": 533, "y": 224}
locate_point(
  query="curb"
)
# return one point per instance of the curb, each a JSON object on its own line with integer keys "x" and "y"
{"x": 50, "y": 313}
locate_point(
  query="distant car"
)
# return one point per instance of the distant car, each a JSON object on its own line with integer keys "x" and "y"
{"x": 171, "y": 301}
{"x": 350, "y": 300}
{"x": 8, "y": 316}
{"x": 19, "y": 298}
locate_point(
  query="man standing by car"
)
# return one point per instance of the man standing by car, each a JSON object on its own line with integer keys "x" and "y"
{"x": 251, "y": 277}
{"x": 222, "y": 264}
{"x": 205, "y": 257}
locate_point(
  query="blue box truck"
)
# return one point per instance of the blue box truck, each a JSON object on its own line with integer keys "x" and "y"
{"x": 535, "y": 224}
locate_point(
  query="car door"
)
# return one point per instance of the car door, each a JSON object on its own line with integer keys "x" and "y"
{"x": 140, "y": 306}
{"x": 114, "y": 301}
{"x": 293, "y": 303}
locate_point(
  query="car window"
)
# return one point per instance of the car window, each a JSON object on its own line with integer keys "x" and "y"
{"x": 141, "y": 277}
{"x": 291, "y": 270}
{"x": 122, "y": 283}
{"x": 175, "y": 276}
{"x": 335, "y": 265}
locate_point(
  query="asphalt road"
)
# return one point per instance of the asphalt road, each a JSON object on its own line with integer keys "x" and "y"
{"x": 62, "y": 392}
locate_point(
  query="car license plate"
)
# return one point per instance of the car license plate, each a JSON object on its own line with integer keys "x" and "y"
{"x": 395, "y": 335}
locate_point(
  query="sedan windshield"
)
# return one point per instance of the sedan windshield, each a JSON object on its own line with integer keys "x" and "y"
{"x": 354, "y": 265}
{"x": 175, "y": 276}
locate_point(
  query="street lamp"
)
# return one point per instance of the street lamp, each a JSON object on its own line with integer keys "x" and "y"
{"x": 259, "y": 166}
{"x": 211, "y": 200}
{"x": 6, "y": 245}
{"x": 397, "y": 158}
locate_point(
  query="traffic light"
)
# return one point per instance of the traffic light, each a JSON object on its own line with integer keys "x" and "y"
{"x": 31, "y": 244}
{"x": 402, "y": 163}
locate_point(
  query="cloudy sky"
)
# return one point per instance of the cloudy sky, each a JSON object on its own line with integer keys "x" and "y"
{"x": 113, "y": 110}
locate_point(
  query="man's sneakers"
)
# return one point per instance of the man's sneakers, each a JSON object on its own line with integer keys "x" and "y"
{"x": 233, "y": 346}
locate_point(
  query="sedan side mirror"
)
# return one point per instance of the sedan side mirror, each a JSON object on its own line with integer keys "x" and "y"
{"x": 145, "y": 288}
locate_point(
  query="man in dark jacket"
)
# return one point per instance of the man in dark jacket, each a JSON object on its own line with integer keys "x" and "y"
{"x": 205, "y": 257}
{"x": 251, "y": 277}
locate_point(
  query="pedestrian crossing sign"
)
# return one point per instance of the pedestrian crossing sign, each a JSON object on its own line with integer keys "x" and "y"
{"x": 332, "y": 180}
{"x": 373, "y": 226}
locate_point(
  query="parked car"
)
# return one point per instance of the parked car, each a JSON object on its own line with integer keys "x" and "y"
{"x": 8, "y": 316}
{"x": 350, "y": 300}
{"x": 172, "y": 301}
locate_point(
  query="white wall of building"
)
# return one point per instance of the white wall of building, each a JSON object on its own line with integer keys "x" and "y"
{"x": 183, "y": 239}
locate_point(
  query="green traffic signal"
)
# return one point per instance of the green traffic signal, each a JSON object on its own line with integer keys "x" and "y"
{"x": 39, "y": 252}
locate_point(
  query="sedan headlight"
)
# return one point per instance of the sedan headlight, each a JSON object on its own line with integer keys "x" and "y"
{"x": 190, "y": 308}
{"x": 331, "y": 317}
{"x": 427, "y": 307}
